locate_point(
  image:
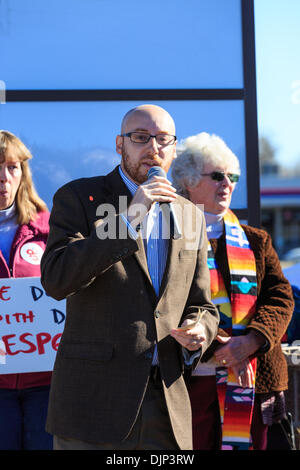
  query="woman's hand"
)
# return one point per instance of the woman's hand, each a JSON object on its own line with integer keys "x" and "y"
{"x": 236, "y": 349}
{"x": 242, "y": 369}
{"x": 244, "y": 374}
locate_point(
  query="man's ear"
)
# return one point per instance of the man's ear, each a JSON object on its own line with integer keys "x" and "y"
{"x": 175, "y": 153}
{"x": 119, "y": 144}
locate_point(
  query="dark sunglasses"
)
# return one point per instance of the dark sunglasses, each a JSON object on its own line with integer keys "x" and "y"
{"x": 220, "y": 175}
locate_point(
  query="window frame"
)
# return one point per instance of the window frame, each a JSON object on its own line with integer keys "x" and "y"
{"x": 247, "y": 94}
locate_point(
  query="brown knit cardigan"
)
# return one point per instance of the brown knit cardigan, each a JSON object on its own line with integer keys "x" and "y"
{"x": 274, "y": 307}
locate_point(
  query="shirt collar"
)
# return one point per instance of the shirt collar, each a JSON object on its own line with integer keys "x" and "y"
{"x": 8, "y": 214}
{"x": 130, "y": 184}
{"x": 214, "y": 224}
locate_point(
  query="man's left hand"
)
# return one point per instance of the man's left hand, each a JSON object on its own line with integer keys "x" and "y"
{"x": 191, "y": 339}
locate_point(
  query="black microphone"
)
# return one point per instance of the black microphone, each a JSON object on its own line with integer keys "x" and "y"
{"x": 174, "y": 226}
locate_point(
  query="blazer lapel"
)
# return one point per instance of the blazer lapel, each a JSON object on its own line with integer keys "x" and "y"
{"x": 142, "y": 257}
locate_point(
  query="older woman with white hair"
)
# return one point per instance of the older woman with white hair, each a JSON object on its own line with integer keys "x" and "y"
{"x": 237, "y": 389}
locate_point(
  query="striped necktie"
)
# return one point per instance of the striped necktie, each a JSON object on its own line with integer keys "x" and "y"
{"x": 157, "y": 251}
{"x": 156, "y": 247}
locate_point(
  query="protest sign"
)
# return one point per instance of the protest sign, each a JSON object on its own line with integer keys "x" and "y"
{"x": 31, "y": 325}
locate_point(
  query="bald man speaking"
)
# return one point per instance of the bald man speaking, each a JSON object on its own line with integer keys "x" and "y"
{"x": 138, "y": 300}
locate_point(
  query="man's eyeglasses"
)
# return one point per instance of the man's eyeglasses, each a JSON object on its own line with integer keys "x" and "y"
{"x": 220, "y": 175}
{"x": 143, "y": 138}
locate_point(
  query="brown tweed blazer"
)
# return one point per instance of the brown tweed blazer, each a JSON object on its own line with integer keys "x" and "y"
{"x": 114, "y": 318}
{"x": 274, "y": 306}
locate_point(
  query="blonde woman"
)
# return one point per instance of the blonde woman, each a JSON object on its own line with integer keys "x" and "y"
{"x": 23, "y": 230}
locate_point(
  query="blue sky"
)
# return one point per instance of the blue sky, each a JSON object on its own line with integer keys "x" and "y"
{"x": 105, "y": 44}
{"x": 83, "y": 48}
{"x": 277, "y": 25}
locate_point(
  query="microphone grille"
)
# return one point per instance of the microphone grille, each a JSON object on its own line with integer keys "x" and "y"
{"x": 156, "y": 171}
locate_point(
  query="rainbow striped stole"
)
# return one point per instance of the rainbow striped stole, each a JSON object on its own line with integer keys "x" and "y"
{"x": 236, "y": 403}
